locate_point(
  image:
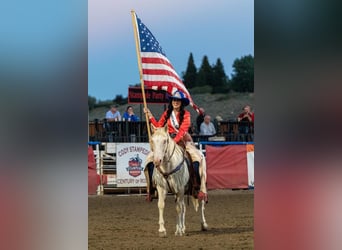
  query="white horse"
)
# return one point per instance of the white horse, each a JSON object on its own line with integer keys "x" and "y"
{"x": 171, "y": 174}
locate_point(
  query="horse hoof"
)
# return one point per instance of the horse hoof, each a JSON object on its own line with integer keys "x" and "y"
{"x": 162, "y": 234}
{"x": 204, "y": 226}
{"x": 178, "y": 234}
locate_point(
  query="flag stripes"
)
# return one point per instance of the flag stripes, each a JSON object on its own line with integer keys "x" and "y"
{"x": 158, "y": 72}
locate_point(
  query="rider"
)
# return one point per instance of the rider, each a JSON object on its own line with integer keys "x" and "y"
{"x": 178, "y": 121}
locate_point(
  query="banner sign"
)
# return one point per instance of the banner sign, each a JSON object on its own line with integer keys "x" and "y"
{"x": 152, "y": 96}
{"x": 130, "y": 159}
{"x": 227, "y": 167}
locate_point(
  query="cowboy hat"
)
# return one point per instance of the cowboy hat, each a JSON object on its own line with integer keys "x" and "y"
{"x": 179, "y": 95}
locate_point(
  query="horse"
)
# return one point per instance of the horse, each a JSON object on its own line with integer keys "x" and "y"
{"x": 171, "y": 174}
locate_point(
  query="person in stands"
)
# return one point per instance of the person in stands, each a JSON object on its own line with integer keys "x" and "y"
{"x": 246, "y": 121}
{"x": 113, "y": 114}
{"x": 199, "y": 120}
{"x": 207, "y": 127}
{"x": 178, "y": 122}
{"x": 129, "y": 115}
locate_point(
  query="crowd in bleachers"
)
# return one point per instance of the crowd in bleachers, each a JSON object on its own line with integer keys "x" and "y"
{"x": 129, "y": 128}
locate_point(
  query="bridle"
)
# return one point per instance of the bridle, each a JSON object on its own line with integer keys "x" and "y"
{"x": 166, "y": 175}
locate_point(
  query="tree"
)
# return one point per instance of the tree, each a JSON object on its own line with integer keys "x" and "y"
{"x": 243, "y": 74}
{"x": 119, "y": 99}
{"x": 91, "y": 102}
{"x": 205, "y": 73}
{"x": 220, "y": 80}
{"x": 190, "y": 76}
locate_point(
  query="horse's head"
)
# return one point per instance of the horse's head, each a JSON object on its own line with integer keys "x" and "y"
{"x": 159, "y": 143}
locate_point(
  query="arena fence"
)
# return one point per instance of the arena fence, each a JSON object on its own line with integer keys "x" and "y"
{"x": 118, "y": 167}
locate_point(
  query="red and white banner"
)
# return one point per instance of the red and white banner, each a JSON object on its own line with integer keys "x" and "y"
{"x": 230, "y": 166}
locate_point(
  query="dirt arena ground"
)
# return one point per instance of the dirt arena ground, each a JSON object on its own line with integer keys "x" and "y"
{"x": 128, "y": 222}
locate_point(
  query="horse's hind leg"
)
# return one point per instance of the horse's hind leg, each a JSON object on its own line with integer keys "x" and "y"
{"x": 204, "y": 225}
{"x": 181, "y": 209}
{"x": 161, "y": 206}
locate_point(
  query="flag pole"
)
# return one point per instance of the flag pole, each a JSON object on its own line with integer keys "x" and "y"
{"x": 137, "y": 47}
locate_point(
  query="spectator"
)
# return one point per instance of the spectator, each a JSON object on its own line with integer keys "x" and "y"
{"x": 246, "y": 120}
{"x": 207, "y": 127}
{"x": 129, "y": 115}
{"x": 200, "y": 119}
{"x": 192, "y": 130}
{"x": 113, "y": 114}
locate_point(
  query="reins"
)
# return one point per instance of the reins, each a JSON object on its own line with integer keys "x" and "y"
{"x": 168, "y": 140}
{"x": 166, "y": 175}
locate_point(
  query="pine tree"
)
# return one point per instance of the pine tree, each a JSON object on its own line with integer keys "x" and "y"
{"x": 190, "y": 76}
{"x": 205, "y": 73}
{"x": 220, "y": 80}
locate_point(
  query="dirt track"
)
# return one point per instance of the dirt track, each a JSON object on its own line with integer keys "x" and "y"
{"x": 128, "y": 222}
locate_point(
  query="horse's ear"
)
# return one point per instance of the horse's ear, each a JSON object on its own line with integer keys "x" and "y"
{"x": 166, "y": 128}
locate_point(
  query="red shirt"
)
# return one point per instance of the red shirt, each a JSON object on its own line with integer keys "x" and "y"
{"x": 246, "y": 119}
{"x": 184, "y": 127}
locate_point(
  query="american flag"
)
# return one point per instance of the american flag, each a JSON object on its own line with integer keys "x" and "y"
{"x": 158, "y": 72}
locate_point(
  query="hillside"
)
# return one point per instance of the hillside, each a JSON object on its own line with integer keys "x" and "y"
{"x": 228, "y": 106}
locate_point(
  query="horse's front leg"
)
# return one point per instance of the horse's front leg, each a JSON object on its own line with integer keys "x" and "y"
{"x": 161, "y": 205}
{"x": 181, "y": 209}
